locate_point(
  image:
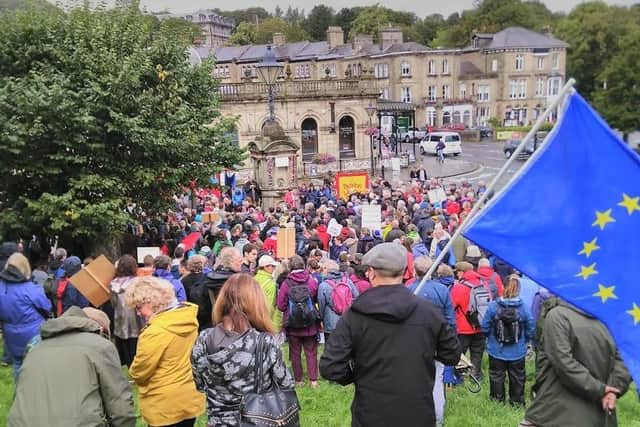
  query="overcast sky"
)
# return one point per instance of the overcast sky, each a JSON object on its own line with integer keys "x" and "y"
{"x": 420, "y": 8}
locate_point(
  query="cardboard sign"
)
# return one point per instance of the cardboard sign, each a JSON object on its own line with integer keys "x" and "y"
{"x": 146, "y": 250}
{"x": 372, "y": 217}
{"x": 333, "y": 228}
{"x": 348, "y": 183}
{"x": 94, "y": 280}
{"x": 286, "y": 238}
{"x": 437, "y": 196}
{"x": 210, "y": 218}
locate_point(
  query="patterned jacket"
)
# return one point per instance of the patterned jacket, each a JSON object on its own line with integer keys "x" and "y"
{"x": 223, "y": 366}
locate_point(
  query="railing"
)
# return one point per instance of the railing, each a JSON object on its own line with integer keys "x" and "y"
{"x": 298, "y": 88}
{"x": 313, "y": 169}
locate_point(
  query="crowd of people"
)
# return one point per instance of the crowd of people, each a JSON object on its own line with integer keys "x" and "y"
{"x": 190, "y": 323}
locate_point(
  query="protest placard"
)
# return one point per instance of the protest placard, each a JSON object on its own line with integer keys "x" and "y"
{"x": 351, "y": 182}
{"x": 143, "y": 251}
{"x": 437, "y": 195}
{"x": 371, "y": 217}
{"x": 286, "y": 238}
{"x": 94, "y": 280}
{"x": 333, "y": 228}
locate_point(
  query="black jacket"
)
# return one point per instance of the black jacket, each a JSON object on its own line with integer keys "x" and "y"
{"x": 197, "y": 293}
{"x": 386, "y": 344}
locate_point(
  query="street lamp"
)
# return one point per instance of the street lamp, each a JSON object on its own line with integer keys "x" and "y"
{"x": 371, "y": 110}
{"x": 269, "y": 70}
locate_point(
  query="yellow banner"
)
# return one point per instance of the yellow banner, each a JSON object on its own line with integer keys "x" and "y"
{"x": 348, "y": 183}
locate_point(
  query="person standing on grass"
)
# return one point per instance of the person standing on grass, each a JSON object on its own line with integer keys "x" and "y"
{"x": 72, "y": 377}
{"x": 509, "y": 327}
{"x": 297, "y": 299}
{"x": 579, "y": 372}
{"x": 162, "y": 367}
{"x": 386, "y": 344}
{"x": 332, "y": 278}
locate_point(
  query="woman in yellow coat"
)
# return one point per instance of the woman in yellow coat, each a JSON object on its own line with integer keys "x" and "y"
{"x": 162, "y": 366}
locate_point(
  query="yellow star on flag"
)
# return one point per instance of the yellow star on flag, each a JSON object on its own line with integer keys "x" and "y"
{"x": 605, "y": 293}
{"x": 630, "y": 203}
{"x": 589, "y": 247}
{"x": 587, "y": 271}
{"x": 635, "y": 313}
{"x": 603, "y": 218}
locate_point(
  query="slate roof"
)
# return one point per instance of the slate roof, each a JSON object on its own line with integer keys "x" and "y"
{"x": 469, "y": 68}
{"x": 518, "y": 37}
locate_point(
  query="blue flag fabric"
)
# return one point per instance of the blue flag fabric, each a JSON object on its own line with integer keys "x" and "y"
{"x": 571, "y": 222}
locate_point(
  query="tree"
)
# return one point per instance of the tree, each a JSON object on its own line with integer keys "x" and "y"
{"x": 593, "y": 32}
{"x": 187, "y": 32}
{"x": 244, "y": 34}
{"x": 319, "y": 19}
{"x": 618, "y": 98}
{"x": 251, "y": 14}
{"x": 344, "y": 19}
{"x": 370, "y": 20}
{"x": 294, "y": 16}
{"x": 294, "y": 33}
{"x": 97, "y": 113}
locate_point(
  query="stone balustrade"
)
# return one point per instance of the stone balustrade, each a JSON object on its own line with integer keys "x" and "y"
{"x": 330, "y": 88}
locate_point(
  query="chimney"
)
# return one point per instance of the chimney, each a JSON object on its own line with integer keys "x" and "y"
{"x": 390, "y": 36}
{"x": 360, "y": 41}
{"x": 279, "y": 39}
{"x": 335, "y": 37}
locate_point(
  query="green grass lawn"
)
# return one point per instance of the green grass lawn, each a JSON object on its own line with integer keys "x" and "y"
{"x": 329, "y": 406}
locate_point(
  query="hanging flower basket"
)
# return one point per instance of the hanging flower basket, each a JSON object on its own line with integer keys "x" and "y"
{"x": 323, "y": 159}
{"x": 371, "y": 131}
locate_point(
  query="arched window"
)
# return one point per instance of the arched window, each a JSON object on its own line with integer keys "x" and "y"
{"x": 446, "y": 118}
{"x": 309, "y": 139}
{"x": 347, "y": 137}
{"x": 466, "y": 118}
{"x": 456, "y": 117}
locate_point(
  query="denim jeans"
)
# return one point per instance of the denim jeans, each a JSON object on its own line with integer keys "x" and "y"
{"x": 439, "y": 398}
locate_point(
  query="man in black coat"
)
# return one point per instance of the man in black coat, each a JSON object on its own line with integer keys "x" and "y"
{"x": 386, "y": 344}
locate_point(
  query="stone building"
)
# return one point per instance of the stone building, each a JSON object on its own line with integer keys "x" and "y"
{"x": 325, "y": 87}
{"x": 216, "y": 29}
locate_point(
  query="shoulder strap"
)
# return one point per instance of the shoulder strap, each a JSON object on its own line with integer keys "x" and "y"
{"x": 257, "y": 369}
{"x": 467, "y": 284}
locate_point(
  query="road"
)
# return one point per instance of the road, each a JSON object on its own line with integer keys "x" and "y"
{"x": 491, "y": 158}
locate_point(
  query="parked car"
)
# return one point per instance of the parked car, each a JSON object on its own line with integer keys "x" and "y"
{"x": 511, "y": 145}
{"x": 452, "y": 143}
{"x": 485, "y": 131}
{"x": 419, "y": 134}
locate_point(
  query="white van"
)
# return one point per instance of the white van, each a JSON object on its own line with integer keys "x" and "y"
{"x": 452, "y": 143}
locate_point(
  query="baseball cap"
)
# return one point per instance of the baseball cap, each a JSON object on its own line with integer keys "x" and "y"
{"x": 266, "y": 260}
{"x": 386, "y": 256}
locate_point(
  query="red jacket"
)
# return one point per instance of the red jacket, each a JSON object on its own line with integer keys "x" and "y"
{"x": 410, "y": 272}
{"x": 487, "y": 273}
{"x": 453, "y": 207}
{"x": 460, "y": 300}
{"x": 270, "y": 245}
{"x": 324, "y": 236}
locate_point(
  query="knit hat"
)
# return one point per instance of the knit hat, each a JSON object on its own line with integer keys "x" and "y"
{"x": 473, "y": 252}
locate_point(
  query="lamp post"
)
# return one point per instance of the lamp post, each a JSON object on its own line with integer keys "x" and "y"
{"x": 371, "y": 110}
{"x": 268, "y": 70}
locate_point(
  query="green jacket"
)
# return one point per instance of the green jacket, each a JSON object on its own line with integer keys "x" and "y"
{"x": 269, "y": 288}
{"x": 577, "y": 358}
{"x": 72, "y": 378}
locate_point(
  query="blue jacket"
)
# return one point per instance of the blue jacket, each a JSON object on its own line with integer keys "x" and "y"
{"x": 181, "y": 295}
{"x": 419, "y": 250}
{"x": 527, "y": 327}
{"x": 335, "y": 250}
{"x": 437, "y": 294}
{"x": 72, "y": 296}
{"x": 528, "y": 291}
{"x": 329, "y": 317}
{"x": 23, "y": 308}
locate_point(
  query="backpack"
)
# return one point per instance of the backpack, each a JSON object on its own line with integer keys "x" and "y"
{"x": 341, "y": 296}
{"x": 479, "y": 299}
{"x": 302, "y": 311}
{"x": 506, "y": 324}
{"x": 491, "y": 285}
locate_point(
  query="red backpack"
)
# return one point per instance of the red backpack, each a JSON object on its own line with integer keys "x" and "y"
{"x": 341, "y": 296}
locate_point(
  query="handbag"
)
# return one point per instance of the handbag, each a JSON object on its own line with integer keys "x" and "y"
{"x": 270, "y": 408}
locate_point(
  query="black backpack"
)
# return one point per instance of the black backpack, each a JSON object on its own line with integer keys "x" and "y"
{"x": 441, "y": 245}
{"x": 302, "y": 311}
{"x": 506, "y": 325}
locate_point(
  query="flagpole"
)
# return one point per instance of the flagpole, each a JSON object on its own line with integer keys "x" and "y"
{"x": 477, "y": 206}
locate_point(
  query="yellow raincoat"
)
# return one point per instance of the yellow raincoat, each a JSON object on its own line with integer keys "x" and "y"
{"x": 162, "y": 367}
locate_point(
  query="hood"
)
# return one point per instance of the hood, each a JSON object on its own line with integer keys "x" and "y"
{"x": 13, "y": 275}
{"x": 300, "y": 276}
{"x": 180, "y": 321}
{"x": 485, "y": 272}
{"x": 119, "y": 284}
{"x": 391, "y": 304}
{"x": 163, "y": 274}
{"x": 72, "y": 320}
{"x": 471, "y": 276}
{"x": 510, "y": 302}
{"x": 333, "y": 275}
{"x": 228, "y": 351}
{"x": 217, "y": 278}
{"x": 367, "y": 238}
{"x": 447, "y": 280}
{"x": 414, "y": 235}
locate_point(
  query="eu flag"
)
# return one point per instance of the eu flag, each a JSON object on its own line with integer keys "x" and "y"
{"x": 571, "y": 222}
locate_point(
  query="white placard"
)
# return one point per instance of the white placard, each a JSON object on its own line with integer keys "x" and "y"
{"x": 147, "y": 250}
{"x": 395, "y": 164}
{"x": 436, "y": 196}
{"x": 333, "y": 228}
{"x": 372, "y": 217}
{"x": 282, "y": 162}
